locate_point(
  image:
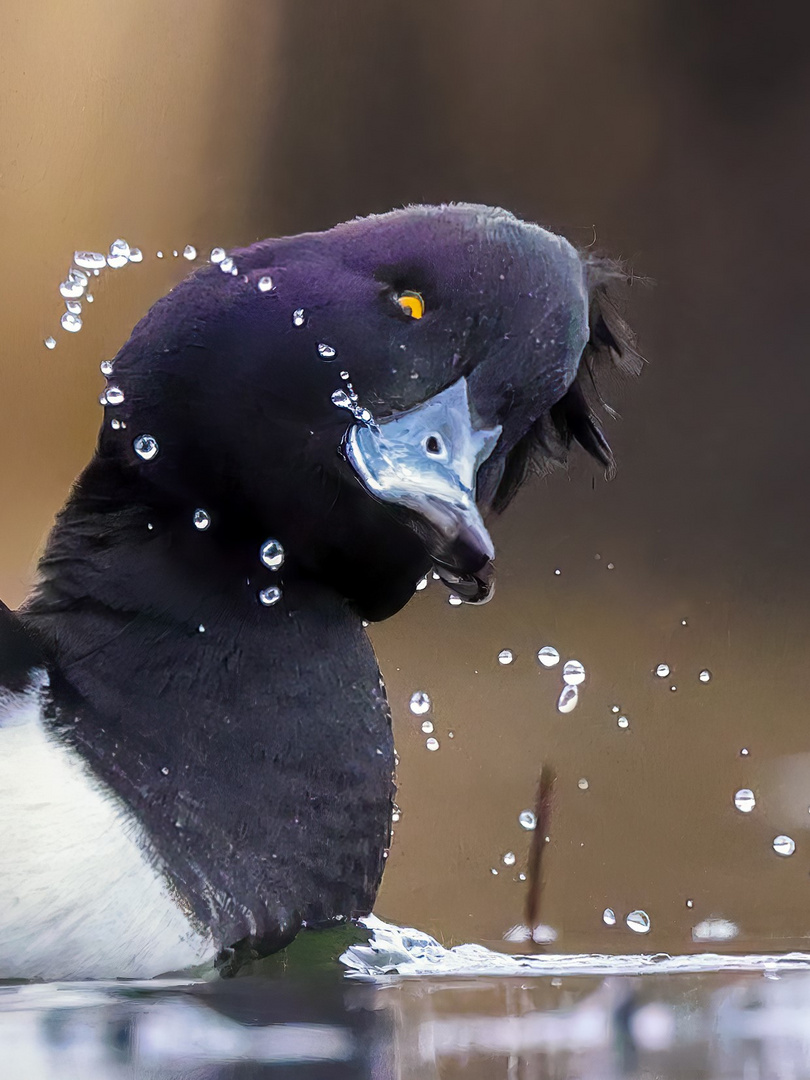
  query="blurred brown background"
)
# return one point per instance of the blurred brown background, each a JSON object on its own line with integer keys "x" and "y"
{"x": 677, "y": 132}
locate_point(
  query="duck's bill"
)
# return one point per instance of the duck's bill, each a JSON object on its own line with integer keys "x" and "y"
{"x": 425, "y": 463}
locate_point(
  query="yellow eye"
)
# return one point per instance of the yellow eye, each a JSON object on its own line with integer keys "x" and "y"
{"x": 412, "y": 304}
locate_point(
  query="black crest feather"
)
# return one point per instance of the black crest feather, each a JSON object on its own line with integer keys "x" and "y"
{"x": 611, "y": 346}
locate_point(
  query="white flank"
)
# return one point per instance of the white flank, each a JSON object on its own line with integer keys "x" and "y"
{"x": 80, "y": 897}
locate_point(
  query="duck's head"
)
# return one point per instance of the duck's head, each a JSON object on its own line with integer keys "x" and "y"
{"x": 365, "y": 395}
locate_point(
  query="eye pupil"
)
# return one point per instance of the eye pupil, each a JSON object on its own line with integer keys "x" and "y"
{"x": 412, "y": 304}
{"x": 432, "y": 445}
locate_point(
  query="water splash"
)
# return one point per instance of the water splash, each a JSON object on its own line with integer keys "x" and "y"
{"x": 405, "y": 951}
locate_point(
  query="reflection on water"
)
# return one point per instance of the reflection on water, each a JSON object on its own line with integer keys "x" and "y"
{"x": 712, "y": 1026}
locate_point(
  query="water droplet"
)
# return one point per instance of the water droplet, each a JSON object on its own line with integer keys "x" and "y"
{"x": 146, "y": 447}
{"x": 493, "y": 871}
{"x": 528, "y": 820}
{"x": 74, "y": 307}
{"x": 419, "y": 703}
{"x": 73, "y": 286}
{"x": 226, "y": 265}
{"x": 505, "y": 656}
{"x": 609, "y": 917}
{"x": 783, "y": 845}
{"x": 427, "y": 727}
{"x": 271, "y": 554}
{"x": 50, "y": 343}
{"x": 119, "y": 254}
{"x": 454, "y": 601}
{"x": 89, "y": 298}
{"x": 639, "y": 922}
{"x": 299, "y": 317}
{"x": 265, "y": 283}
{"x": 573, "y": 673}
{"x": 662, "y": 671}
{"x": 684, "y": 622}
{"x": 341, "y": 399}
{"x": 557, "y": 573}
{"x": 201, "y": 519}
{"x": 344, "y": 375}
{"x": 235, "y": 272}
{"x": 159, "y": 254}
{"x": 201, "y": 629}
{"x": 432, "y": 744}
{"x": 115, "y": 424}
{"x": 744, "y": 752}
{"x": 583, "y": 784}
{"x": 135, "y": 255}
{"x": 568, "y": 699}
{"x": 217, "y": 254}
{"x": 623, "y": 722}
{"x": 397, "y": 814}
{"x": 326, "y": 352}
{"x": 673, "y": 688}
{"x": 705, "y": 675}
{"x": 115, "y": 395}
{"x": 548, "y": 656}
{"x": 89, "y": 260}
{"x": 270, "y": 596}
{"x": 106, "y": 367}
{"x": 690, "y": 903}
{"x": 745, "y": 800}
{"x": 715, "y": 929}
{"x": 72, "y": 323}
{"x": 611, "y": 566}
{"x": 509, "y": 859}
{"x": 421, "y": 584}
{"x": 102, "y": 398}
{"x": 189, "y": 252}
